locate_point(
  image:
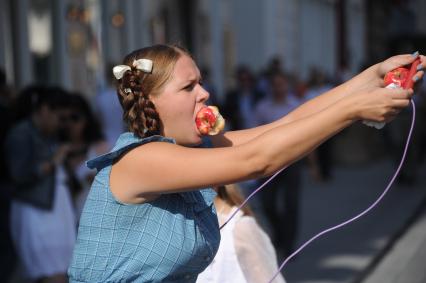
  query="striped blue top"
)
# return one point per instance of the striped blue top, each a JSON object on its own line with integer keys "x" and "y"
{"x": 170, "y": 239}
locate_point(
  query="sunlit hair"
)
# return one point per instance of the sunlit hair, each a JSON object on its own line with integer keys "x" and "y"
{"x": 136, "y": 87}
{"x": 232, "y": 196}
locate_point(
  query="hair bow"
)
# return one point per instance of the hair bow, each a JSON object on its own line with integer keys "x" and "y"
{"x": 119, "y": 71}
{"x": 144, "y": 65}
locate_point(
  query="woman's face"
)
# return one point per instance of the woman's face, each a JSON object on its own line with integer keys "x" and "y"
{"x": 181, "y": 99}
{"x": 49, "y": 121}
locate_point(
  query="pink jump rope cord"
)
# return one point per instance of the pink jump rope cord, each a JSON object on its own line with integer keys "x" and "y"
{"x": 343, "y": 223}
{"x": 365, "y": 211}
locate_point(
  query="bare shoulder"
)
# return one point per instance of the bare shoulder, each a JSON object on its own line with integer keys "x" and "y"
{"x": 130, "y": 171}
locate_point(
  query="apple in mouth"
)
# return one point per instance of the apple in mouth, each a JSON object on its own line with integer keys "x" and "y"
{"x": 209, "y": 121}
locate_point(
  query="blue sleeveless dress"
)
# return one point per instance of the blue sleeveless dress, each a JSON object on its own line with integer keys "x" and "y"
{"x": 171, "y": 239}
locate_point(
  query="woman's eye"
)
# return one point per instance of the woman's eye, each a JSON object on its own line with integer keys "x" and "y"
{"x": 190, "y": 87}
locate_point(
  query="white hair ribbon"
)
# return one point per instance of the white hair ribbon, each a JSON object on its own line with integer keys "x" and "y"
{"x": 119, "y": 71}
{"x": 143, "y": 65}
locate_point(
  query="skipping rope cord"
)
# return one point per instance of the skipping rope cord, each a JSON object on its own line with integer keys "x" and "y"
{"x": 345, "y": 222}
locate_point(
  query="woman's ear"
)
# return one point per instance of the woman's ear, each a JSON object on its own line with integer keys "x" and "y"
{"x": 152, "y": 98}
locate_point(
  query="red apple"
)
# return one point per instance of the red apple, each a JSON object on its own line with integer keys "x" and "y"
{"x": 209, "y": 121}
{"x": 397, "y": 76}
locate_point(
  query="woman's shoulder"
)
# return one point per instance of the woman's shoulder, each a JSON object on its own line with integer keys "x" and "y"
{"x": 126, "y": 142}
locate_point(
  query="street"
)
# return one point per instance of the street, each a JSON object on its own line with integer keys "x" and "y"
{"x": 351, "y": 253}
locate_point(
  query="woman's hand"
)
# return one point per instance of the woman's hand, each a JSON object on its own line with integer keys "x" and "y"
{"x": 379, "y": 104}
{"x": 372, "y": 77}
{"x": 399, "y": 61}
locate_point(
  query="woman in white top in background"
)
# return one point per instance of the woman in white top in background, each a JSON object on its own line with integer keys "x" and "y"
{"x": 246, "y": 254}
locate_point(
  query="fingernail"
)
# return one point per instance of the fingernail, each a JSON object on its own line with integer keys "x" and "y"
{"x": 415, "y": 54}
{"x": 415, "y": 78}
{"x": 419, "y": 67}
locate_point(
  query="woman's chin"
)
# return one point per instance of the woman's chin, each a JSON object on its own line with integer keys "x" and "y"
{"x": 198, "y": 139}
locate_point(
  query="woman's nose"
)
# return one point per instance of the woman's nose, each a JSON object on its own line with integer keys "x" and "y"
{"x": 203, "y": 95}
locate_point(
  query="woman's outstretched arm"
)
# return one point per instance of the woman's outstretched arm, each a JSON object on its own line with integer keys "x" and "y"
{"x": 368, "y": 79}
{"x": 157, "y": 167}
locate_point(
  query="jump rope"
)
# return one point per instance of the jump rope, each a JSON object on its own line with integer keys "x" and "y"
{"x": 407, "y": 83}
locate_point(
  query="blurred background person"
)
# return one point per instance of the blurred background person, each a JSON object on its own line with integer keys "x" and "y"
{"x": 280, "y": 198}
{"x": 42, "y": 215}
{"x": 274, "y": 65}
{"x": 241, "y": 101}
{"x": 300, "y": 90}
{"x": 238, "y": 111}
{"x": 245, "y": 254}
{"x": 321, "y": 158}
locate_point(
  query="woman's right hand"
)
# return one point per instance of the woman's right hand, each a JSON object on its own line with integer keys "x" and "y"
{"x": 379, "y": 104}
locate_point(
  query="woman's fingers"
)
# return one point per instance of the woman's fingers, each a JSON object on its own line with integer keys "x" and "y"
{"x": 400, "y": 61}
{"x": 400, "y": 93}
{"x": 406, "y": 59}
{"x": 418, "y": 76}
{"x": 422, "y": 64}
{"x": 399, "y": 104}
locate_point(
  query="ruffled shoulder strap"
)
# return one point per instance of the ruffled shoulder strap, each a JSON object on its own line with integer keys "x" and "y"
{"x": 125, "y": 142}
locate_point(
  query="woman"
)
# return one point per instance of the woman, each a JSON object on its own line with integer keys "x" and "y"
{"x": 149, "y": 216}
{"x": 42, "y": 217}
{"x": 245, "y": 254}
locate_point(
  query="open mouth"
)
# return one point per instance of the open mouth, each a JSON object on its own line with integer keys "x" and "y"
{"x": 209, "y": 121}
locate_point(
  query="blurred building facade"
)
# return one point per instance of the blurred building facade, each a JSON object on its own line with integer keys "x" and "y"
{"x": 70, "y": 42}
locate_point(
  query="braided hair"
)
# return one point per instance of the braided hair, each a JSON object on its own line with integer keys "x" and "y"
{"x": 136, "y": 87}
